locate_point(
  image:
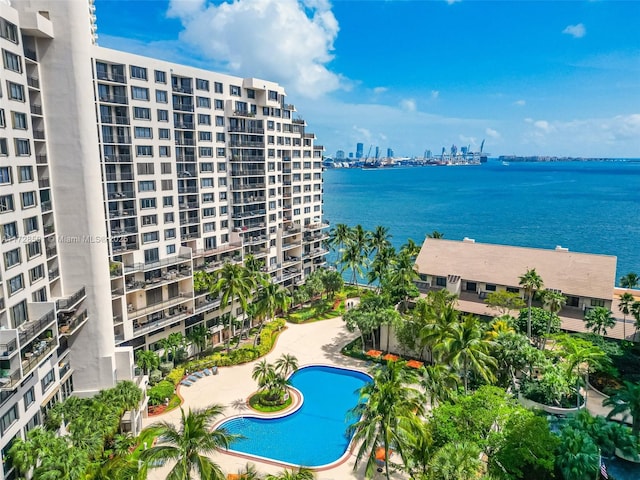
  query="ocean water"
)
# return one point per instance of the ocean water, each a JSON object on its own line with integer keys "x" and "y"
{"x": 591, "y": 207}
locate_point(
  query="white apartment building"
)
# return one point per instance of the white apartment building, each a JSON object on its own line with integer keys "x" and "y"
{"x": 121, "y": 176}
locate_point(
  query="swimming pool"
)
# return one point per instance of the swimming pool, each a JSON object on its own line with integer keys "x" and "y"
{"x": 315, "y": 434}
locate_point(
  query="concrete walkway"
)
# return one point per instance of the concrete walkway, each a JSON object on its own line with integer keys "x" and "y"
{"x": 314, "y": 343}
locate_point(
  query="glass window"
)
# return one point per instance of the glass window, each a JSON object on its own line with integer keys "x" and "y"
{"x": 147, "y": 203}
{"x": 48, "y": 380}
{"x": 143, "y": 132}
{"x": 5, "y": 175}
{"x": 164, "y": 134}
{"x": 234, "y": 90}
{"x": 144, "y": 151}
{"x": 169, "y": 233}
{"x": 36, "y": 273}
{"x": 16, "y": 91}
{"x": 204, "y": 136}
{"x": 161, "y": 77}
{"x": 204, "y": 102}
{"x": 202, "y": 84}
{"x": 163, "y": 115}
{"x": 139, "y": 93}
{"x": 34, "y": 249}
{"x": 138, "y": 72}
{"x": 12, "y": 258}
{"x": 219, "y": 104}
{"x": 9, "y": 418}
{"x": 19, "y": 120}
{"x": 147, "y": 186}
{"x": 30, "y": 224}
{"x": 161, "y": 96}
{"x": 29, "y": 397}
{"x": 6, "y": 203}
{"x": 9, "y": 231}
{"x": 205, "y": 151}
{"x": 204, "y": 119}
{"x": 15, "y": 284}
{"x": 149, "y": 237}
{"x": 217, "y": 87}
{"x": 23, "y": 147}
{"x": 142, "y": 113}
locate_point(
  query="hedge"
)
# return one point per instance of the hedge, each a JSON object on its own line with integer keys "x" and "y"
{"x": 241, "y": 355}
{"x": 158, "y": 393}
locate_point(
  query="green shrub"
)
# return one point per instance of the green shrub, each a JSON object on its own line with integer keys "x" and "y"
{"x": 175, "y": 375}
{"x": 155, "y": 376}
{"x": 158, "y": 393}
{"x": 166, "y": 367}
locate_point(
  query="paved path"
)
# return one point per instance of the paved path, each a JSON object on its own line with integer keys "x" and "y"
{"x": 317, "y": 342}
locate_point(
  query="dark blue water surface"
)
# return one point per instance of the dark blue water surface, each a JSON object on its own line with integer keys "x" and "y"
{"x": 315, "y": 434}
{"x": 591, "y": 207}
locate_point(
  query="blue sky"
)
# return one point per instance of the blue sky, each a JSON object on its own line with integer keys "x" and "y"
{"x": 530, "y": 77}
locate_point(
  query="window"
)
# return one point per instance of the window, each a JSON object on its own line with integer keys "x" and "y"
{"x": 167, "y": 201}
{"x": 147, "y": 186}
{"x": 206, "y": 182}
{"x": 222, "y": 182}
{"x": 169, "y": 233}
{"x": 472, "y": 287}
{"x": 9, "y": 231}
{"x": 161, "y": 96}
{"x": 143, "y": 132}
{"x": 441, "y": 281}
{"x": 144, "y": 151}
{"x": 147, "y": 203}
{"x": 12, "y": 258}
{"x": 9, "y": 418}
{"x": 139, "y": 93}
{"x": 151, "y": 255}
{"x": 150, "y": 220}
{"x": 220, "y": 152}
{"x": 6, "y": 203}
{"x": 28, "y": 199}
{"x": 16, "y": 91}
{"x": 234, "y": 90}
{"x": 208, "y": 212}
{"x": 167, "y": 185}
{"x": 219, "y": 104}
{"x": 9, "y": 31}
{"x": 34, "y": 249}
{"x": 222, "y": 167}
{"x": 273, "y": 95}
{"x": 164, "y": 151}
{"x": 16, "y": 284}
{"x": 39, "y": 295}
{"x": 36, "y": 273}
{"x": 208, "y": 198}
{"x": 23, "y": 147}
{"x": 513, "y": 290}
{"x": 205, "y": 151}
{"x": 150, "y": 237}
{"x": 142, "y": 113}
{"x": 209, "y": 227}
{"x": 219, "y": 121}
{"x": 220, "y": 137}
{"x": 223, "y": 197}
{"x": 165, "y": 167}
{"x": 48, "y": 380}
{"x": 217, "y": 87}
{"x": 204, "y": 119}
{"x": 202, "y": 84}
{"x": 205, "y": 136}
{"x": 5, "y": 175}
{"x": 171, "y": 249}
{"x": 145, "y": 168}
{"x": 30, "y": 224}
{"x": 29, "y": 397}
{"x": 573, "y": 301}
{"x": 597, "y": 302}
{"x": 164, "y": 134}
{"x": 490, "y": 287}
{"x": 204, "y": 102}
{"x": 138, "y": 72}
{"x": 3, "y": 122}
{"x": 163, "y": 115}
{"x": 251, "y": 93}
{"x": 161, "y": 77}
{"x": 206, "y": 167}
{"x": 168, "y": 217}
{"x": 19, "y": 120}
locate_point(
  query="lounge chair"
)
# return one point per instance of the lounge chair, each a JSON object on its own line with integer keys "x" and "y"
{"x": 207, "y": 372}
{"x": 192, "y": 378}
{"x": 214, "y": 370}
{"x": 186, "y": 383}
{"x": 199, "y": 374}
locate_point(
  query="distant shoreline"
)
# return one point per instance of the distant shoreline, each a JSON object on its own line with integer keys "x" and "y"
{"x": 542, "y": 158}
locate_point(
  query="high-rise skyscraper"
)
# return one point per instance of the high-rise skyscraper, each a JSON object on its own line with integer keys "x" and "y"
{"x": 120, "y": 177}
{"x": 359, "y": 150}
{"x": 390, "y": 153}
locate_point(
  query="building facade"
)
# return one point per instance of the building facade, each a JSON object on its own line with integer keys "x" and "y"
{"x": 122, "y": 176}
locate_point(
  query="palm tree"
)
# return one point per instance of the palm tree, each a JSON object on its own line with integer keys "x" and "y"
{"x": 353, "y": 259}
{"x": 626, "y": 402}
{"x": 553, "y": 302}
{"x": 531, "y": 282}
{"x": 189, "y": 445}
{"x": 125, "y": 395}
{"x": 630, "y": 280}
{"x": 64, "y": 463}
{"x": 435, "y": 234}
{"x": 402, "y": 276}
{"x": 300, "y": 474}
{"x": 380, "y": 266}
{"x": 285, "y": 364}
{"x": 599, "y": 319}
{"x": 176, "y": 341}
{"x": 379, "y": 239}
{"x": 263, "y": 372}
{"x": 338, "y": 238}
{"x": 147, "y": 360}
{"x": 411, "y": 248}
{"x": 635, "y": 312}
{"x": 439, "y": 383}
{"x": 467, "y": 349}
{"x": 456, "y": 461}
{"x": 235, "y": 282}
{"x": 388, "y": 410}
{"x": 270, "y": 298}
{"x": 198, "y": 336}
{"x": 624, "y": 304}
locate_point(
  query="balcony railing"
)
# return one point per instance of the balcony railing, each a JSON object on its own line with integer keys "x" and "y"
{"x": 160, "y": 306}
{"x": 139, "y": 267}
{"x": 28, "y": 330}
{"x": 187, "y": 189}
{"x": 41, "y": 159}
{"x": 247, "y": 186}
{"x": 214, "y": 251}
{"x": 46, "y": 206}
{"x": 32, "y": 359}
{"x": 8, "y": 379}
{"x": 69, "y": 302}
{"x": 38, "y": 134}
{"x": 36, "y": 109}
{"x": 117, "y": 158}
{"x": 121, "y": 99}
{"x": 111, "y": 77}
{"x": 7, "y": 349}
{"x": 121, "y": 213}
{"x": 69, "y": 326}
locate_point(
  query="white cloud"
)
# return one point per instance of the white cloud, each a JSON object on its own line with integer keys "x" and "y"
{"x": 490, "y": 132}
{"x": 520, "y": 103}
{"x": 576, "y": 31}
{"x": 435, "y": 94}
{"x": 288, "y": 41}
{"x": 543, "y": 125}
{"x": 379, "y": 90}
{"x": 408, "y": 104}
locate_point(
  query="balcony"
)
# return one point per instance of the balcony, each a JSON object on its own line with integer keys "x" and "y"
{"x": 117, "y": 158}
{"x": 7, "y": 349}
{"x": 316, "y": 226}
{"x": 246, "y": 143}
{"x": 54, "y": 273}
{"x": 119, "y": 177}
{"x": 68, "y": 325}
{"x": 214, "y": 251}
{"x": 9, "y": 380}
{"x": 46, "y": 206}
{"x": 189, "y": 142}
{"x": 122, "y": 213}
{"x": 247, "y": 186}
{"x": 187, "y": 189}
{"x": 49, "y": 229}
{"x": 290, "y": 231}
{"x": 64, "y": 368}
{"x": 40, "y": 350}
{"x": 184, "y": 125}
{"x": 38, "y": 134}
{"x": 41, "y": 159}
{"x": 183, "y": 107}
{"x": 241, "y": 129}
{"x": 29, "y": 330}
{"x": 30, "y": 54}
{"x": 208, "y": 303}
{"x": 247, "y": 172}
{"x": 189, "y": 220}
{"x": 182, "y": 89}
{"x": 69, "y": 303}
{"x": 119, "y": 99}
{"x": 112, "y": 77}
{"x": 51, "y": 251}
{"x": 172, "y": 302}
{"x": 141, "y": 267}
{"x": 44, "y": 182}
{"x": 36, "y": 109}
{"x": 189, "y": 205}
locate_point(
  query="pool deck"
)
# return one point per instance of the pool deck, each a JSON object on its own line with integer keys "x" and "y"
{"x": 314, "y": 343}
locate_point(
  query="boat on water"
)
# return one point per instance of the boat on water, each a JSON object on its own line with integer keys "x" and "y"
{"x": 506, "y": 164}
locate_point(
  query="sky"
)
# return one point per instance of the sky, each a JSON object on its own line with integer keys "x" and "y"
{"x": 529, "y": 77}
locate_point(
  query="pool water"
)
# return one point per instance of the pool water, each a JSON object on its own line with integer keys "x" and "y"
{"x": 315, "y": 434}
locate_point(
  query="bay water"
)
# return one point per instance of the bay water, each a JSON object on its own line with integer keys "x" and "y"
{"x": 591, "y": 207}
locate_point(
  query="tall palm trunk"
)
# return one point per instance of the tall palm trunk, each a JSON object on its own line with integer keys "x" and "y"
{"x": 529, "y": 316}
{"x": 230, "y": 329}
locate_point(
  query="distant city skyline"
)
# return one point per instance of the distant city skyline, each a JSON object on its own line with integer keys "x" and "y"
{"x": 532, "y": 78}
